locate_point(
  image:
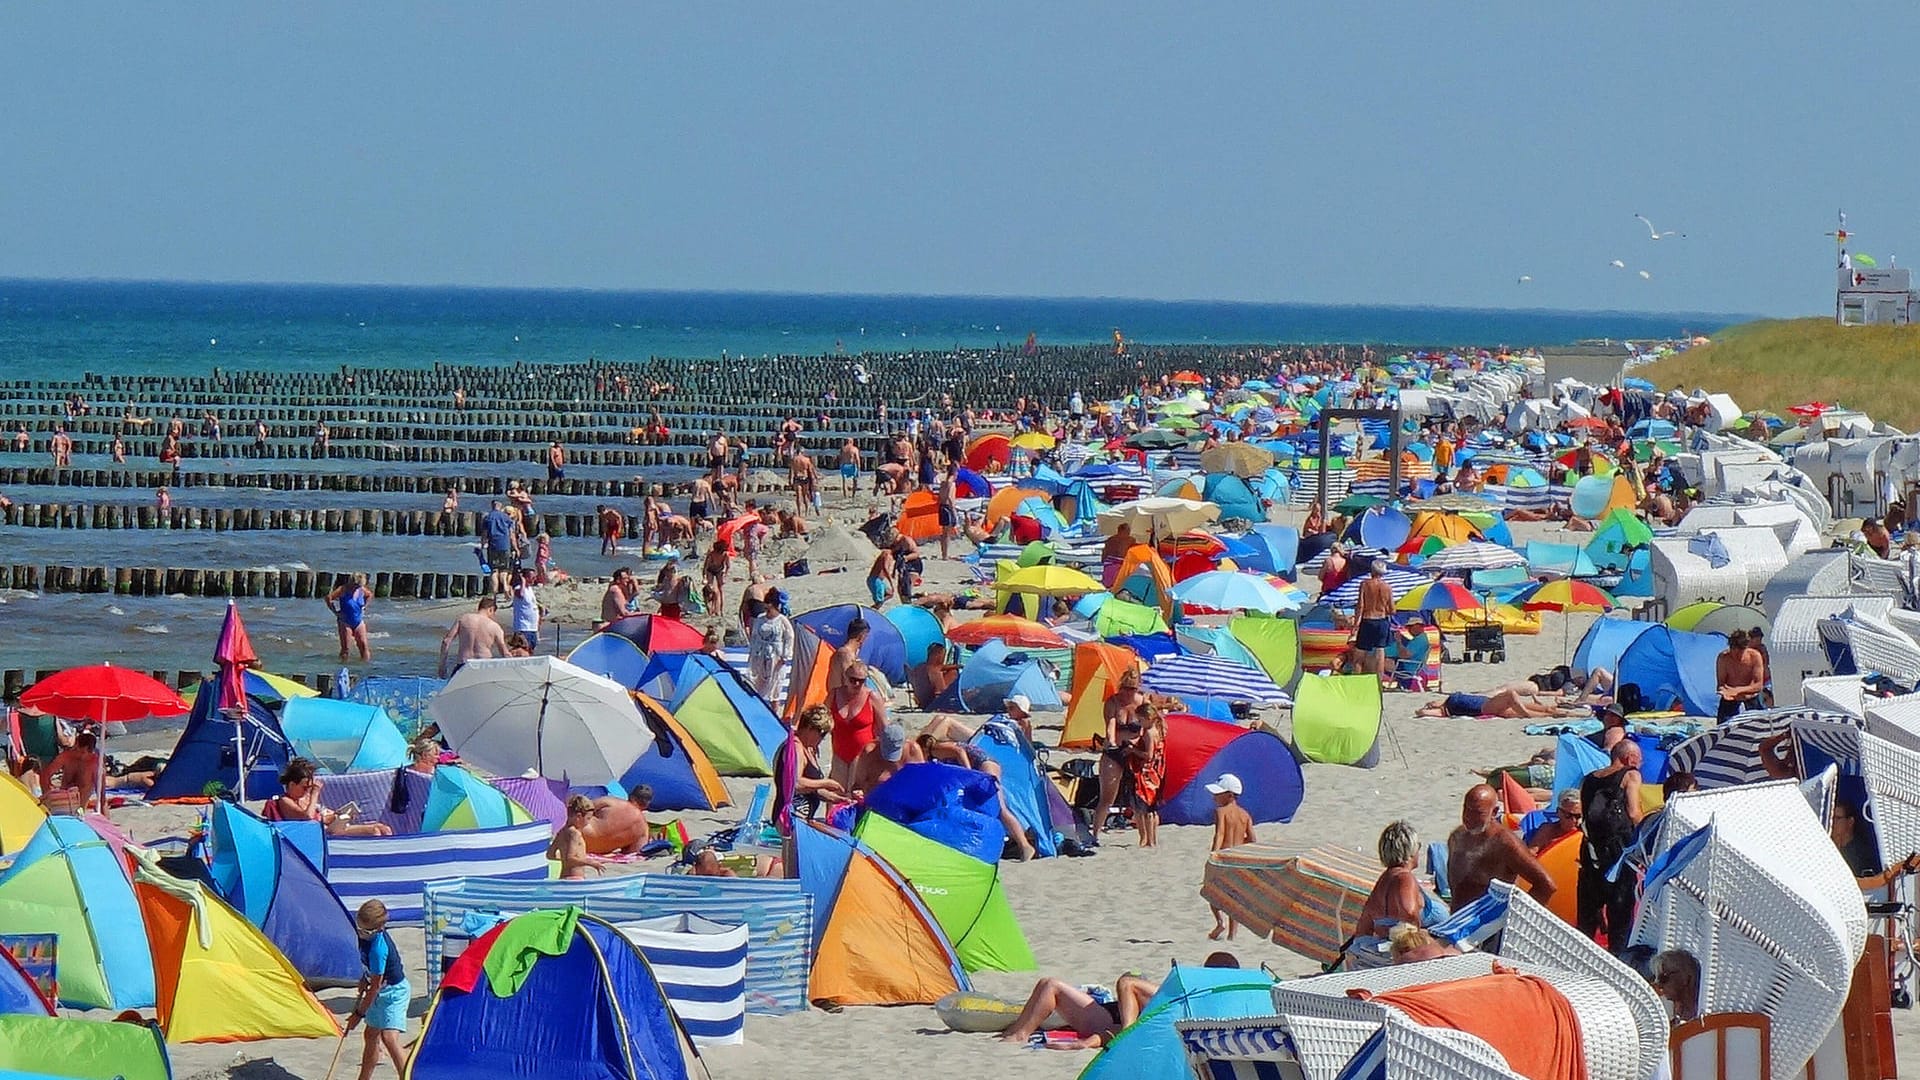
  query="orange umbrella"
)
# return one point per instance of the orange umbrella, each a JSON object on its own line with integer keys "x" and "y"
{"x": 1193, "y": 377}
{"x": 1007, "y": 499}
{"x": 1011, "y": 629}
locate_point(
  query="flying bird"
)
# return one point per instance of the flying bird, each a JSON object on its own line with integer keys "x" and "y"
{"x": 1656, "y": 233}
{"x": 1646, "y": 275}
{"x": 1524, "y": 278}
{"x": 1617, "y": 264}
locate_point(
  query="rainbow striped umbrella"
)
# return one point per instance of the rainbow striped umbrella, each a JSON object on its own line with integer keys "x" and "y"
{"x": 1445, "y": 594}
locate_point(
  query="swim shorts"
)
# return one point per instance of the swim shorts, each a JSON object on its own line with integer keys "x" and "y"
{"x": 877, "y": 588}
{"x": 848, "y": 472}
{"x": 1458, "y": 704}
{"x": 1373, "y": 634}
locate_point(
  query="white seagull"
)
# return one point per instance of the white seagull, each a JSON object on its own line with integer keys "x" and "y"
{"x": 1646, "y": 275}
{"x": 1524, "y": 278}
{"x": 1617, "y": 264}
{"x": 1656, "y": 233}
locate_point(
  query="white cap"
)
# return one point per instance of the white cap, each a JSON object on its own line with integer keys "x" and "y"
{"x": 1228, "y": 784}
{"x": 1021, "y": 702}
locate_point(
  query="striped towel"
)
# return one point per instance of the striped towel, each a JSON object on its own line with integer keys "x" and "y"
{"x": 1302, "y": 901}
{"x": 702, "y": 966}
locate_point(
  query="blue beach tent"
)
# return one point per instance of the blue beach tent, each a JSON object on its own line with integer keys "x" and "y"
{"x": 1275, "y": 548}
{"x": 206, "y": 751}
{"x": 948, "y": 804}
{"x": 991, "y": 675}
{"x": 616, "y": 657}
{"x": 342, "y": 736}
{"x": 1669, "y": 665}
{"x": 1233, "y": 496}
{"x": 919, "y": 628}
{"x": 267, "y": 878}
{"x": 1027, "y": 791}
{"x": 1150, "y": 1047}
{"x": 885, "y": 650}
{"x": 1604, "y": 642}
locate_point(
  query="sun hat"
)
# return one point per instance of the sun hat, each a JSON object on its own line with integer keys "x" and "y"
{"x": 1021, "y": 702}
{"x": 1227, "y": 784}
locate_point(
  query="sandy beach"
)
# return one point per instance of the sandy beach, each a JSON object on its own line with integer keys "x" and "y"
{"x": 1088, "y": 920}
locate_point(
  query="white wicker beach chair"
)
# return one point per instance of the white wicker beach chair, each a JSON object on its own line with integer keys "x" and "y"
{"x": 1873, "y": 575}
{"x": 1795, "y": 649}
{"x": 1318, "y": 1049}
{"x": 1768, "y": 907}
{"x": 1417, "y": 1052}
{"x": 1680, "y": 577}
{"x": 1820, "y": 572}
{"x": 1880, "y": 646}
{"x": 1835, "y": 693}
{"x": 1757, "y": 552}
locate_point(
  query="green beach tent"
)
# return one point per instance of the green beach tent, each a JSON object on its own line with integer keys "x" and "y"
{"x": 1336, "y": 719}
{"x": 459, "y": 801}
{"x": 47, "y": 1046}
{"x": 70, "y": 882}
{"x": 1274, "y": 643}
{"x": 963, "y": 893}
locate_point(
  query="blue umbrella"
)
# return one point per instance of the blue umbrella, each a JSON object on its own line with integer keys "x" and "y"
{"x": 1227, "y": 590}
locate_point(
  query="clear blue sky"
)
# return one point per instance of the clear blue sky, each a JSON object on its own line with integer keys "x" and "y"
{"x": 1415, "y": 153}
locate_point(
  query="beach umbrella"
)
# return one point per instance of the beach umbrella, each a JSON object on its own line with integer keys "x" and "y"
{"x": 1032, "y": 440}
{"x": 1050, "y": 579}
{"x": 1445, "y": 594}
{"x": 1228, "y": 590}
{"x": 656, "y": 634}
{"x": 1157, "y": 439}
{"x": 1187, "y": 377}
{"x": 1158, "y": 516}
{"x": 1177, "y": 423}
{"x": 1564, "y": 595}
{"x": 1811, "y": 408}
{"x": 1399, "y": 579}
{"x": 503, "y": 715}
{"x": 1012, "y": 629}
{"x": 1473, "y": 555}
{"x": 1236, "y": 459}
{"x": 1207, "y": 676}
{"x": 102, "y": 694}
{"x": 233, "y": 652}
{"x": 1353, "y": 504}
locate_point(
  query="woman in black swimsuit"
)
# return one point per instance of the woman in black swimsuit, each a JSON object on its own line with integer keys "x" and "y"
{"x": 1123, "y": 711}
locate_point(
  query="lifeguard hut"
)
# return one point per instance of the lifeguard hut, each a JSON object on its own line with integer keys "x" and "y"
{"x": 1868, "y": 295}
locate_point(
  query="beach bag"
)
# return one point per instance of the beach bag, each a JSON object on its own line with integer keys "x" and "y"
{"x": 796, "y": 568}
{"x": 1626, "y": 698}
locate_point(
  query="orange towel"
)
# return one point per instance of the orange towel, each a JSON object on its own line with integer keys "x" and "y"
{"x": 1531, "y": 1024}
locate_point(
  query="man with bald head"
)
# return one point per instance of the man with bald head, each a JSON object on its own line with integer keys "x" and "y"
{"x": 1610, "y": 812}
{"x": 1483, "y": 850}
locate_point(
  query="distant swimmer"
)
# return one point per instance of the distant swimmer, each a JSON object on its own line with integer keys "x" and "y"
{"x": 1656, "y": 233}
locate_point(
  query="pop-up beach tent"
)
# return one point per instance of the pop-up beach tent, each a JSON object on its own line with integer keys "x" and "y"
{"x": 875, "y": 942}
{"x": 1336, "y": 719}
{"x": 1150, "y": 1046}
{"x": 206, "y": 752}
{"x": 991, "y": 675}
{"x": 1097, "y": 667}
{"x": 885, "y": 649}
{"x": 270, "y": 880}
{"x": 731, "y": 723}
{"x": 342, "y": 736}
{"x": 42, "y": 1047}
{"x": 513, "y": 1006}
{"x": 674, "y": 766}
{"x": 458, "y": 800}
{"x": 948, "y": 804}
{"x": 963, "y": 893}
{"x": 69, "y": 881}
{"x": 1199, "y": 751}
{"x": 21, "y": 815}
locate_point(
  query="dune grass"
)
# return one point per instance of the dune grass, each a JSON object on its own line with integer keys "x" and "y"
{"x": 1777, "y": 363}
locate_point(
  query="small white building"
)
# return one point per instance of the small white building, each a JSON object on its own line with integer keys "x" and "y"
{"x": 1876, "y": 297}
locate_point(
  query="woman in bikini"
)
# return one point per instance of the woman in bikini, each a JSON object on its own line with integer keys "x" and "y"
{"x": 1124, "y": 709}
{"x": 301, "y": 802}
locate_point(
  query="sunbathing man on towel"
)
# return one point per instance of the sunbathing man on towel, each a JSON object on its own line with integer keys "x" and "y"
{"x": 1515, "y": 701}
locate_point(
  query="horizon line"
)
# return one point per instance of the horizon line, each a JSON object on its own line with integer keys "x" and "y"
{"x": 1728, "y": 317}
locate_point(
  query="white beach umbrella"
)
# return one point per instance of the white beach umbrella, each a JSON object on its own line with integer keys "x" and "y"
{"x": 1158, "y": 516}
{"x": 503, "y": 716}
{"x": 1473, "y": 555}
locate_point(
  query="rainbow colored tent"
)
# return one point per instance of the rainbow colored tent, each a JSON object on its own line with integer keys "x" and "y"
{"x": 674, "y": 766}
{"x": 270, "y": 880}
{"x": 513, "y": 1007}
{"x": 458, "y": 801}
{"x": 963, "y": 893}
{"x": 38, "y": 1047}
{"x": 874, "y": 941}
{"x": 217, "y": 978}
{"x": 70, "y": 882}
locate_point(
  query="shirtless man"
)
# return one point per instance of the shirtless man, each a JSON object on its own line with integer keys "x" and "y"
{"x": 880, "y": 576}
{"x": 802, "y": 478}
{"x": 1483, "y": 850}
{"x": 612, "y": 525}
{"x": 618, "y": 826}
{"x": 1514, "y": 701}
{"x": 1566, "y": 822}
{"x": 556, "y": 461}
{"x": 849, "y": 462}
{"x": 1740, "y": 674}
{"x": 473, "y": 636}
{"x": 618, "y": 598}
{"x": 701, "y": 505}
{"x": 1375, "y": 612}
{"x": 569, "y": 846}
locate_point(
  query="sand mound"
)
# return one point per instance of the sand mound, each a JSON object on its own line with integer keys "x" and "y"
{"x": 837, "y": 545}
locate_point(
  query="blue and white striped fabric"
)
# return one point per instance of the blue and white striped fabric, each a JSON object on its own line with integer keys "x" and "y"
{"x": 1203, "y": 676}
{"x": 1400, "y": 579}
{"x": 1068, "y": 550}
{"x": 1474, "y": 923}
{"x": 778, "y": 915}
{"x": 1371, "y": 1062}
{"x": 1306, "y": 487}
{"x": 1237, "y": 1038}
{"x": 1538, "y": 497}
{"x": 1729, "y": 754}
{"x": 702, "y": 966}
{"x": 396, "y": 869}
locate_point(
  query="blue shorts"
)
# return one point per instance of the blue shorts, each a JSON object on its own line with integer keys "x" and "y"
{"x": 877, "y": 588}
{"x": 389, "y": 1011}
{"x": 533, "y": 638}
{"x": 848, "y": 472}
{"x": 1458, "y": 704}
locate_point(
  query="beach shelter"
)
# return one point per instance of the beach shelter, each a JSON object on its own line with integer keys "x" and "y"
{"x": 1115, "y": 617}
{"x": 962, "y": 892}
{"x": 206, "y": 754}
{"x": 1199, "y": 751}
{"x": 988, "y": 453}
{"x": 55, "y": 1048}
{"x": 19, "y": 994}
{"x": 1273, "y": 549}
{"x": 1144, "y": 576}
{"x": 458, "y": 801}
{"x": 1439, "y": 525}
{"x": 1151, "y": 1046}
{"x": 919, "y": 515}
{"x": 1336, "y": 719}
{"x": 807, "y": 674}
{"x": 1029, "y": 794}
{"x": 614, "y": 656}
{"x": 403, "y": 696}
{"x": 217, "y": 977}
{"x": 991, "y": 675}
{"x": 874, "y": 941}
{"x": 1078, "y": 504}
{"x": 675, "y": 766}
{"x": 1673, "y": 665}
{"x": 656, "y": 633}
{"x": 885, "y": 650}
{"x": 919, "y": 628}
{"x": 552, "y": 993}
{"x": 270, "y": 880}
{"x": 1605, "y": 640}
{"x": 732, "y": 724}
{"x": 1274, "y": 644}
{"x": 1594, "y": 497}
{"x": 70, "y": 882}
{"x": 1713, "y": 617}
{"x": 1234, "y": 496}
{"x": 341, "y": 736}
{"x": 948, "y": 804}
{"x": 1097, "y": 667}
{"x": 21, "y": 815}
{"x": 1614, "y": 535}
{"x": 1007, "y": 500}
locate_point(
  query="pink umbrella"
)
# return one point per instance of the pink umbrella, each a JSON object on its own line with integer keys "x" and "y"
{"x": 233, "y": 651}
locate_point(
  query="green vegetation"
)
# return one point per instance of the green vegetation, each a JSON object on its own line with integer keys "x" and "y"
{"x": 1777, "y": 363}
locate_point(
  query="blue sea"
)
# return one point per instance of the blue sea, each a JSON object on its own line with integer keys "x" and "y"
{"x": 112, "y": 327}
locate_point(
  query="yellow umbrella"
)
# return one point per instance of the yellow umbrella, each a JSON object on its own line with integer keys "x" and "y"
{"x": 1049, "y": 580}
{"x": 282, "y": 685}
{"x": 1237, "y": 458}
{"x": 1033, "y": 440}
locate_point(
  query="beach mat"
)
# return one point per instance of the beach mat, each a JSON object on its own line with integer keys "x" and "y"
{"x": 1303, "y": 901}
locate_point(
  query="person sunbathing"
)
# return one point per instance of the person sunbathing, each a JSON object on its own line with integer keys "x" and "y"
{"x": 618, "y": 826}
{"x": 1410, "y": 944}
{"x": 1515, "y": 701}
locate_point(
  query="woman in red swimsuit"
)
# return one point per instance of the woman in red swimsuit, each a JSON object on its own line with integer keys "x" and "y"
{"x": 858, "y": 714}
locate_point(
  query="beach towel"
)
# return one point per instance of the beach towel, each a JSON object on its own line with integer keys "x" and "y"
{"x": 521, "y": 943}
{"x": 1523, "y": 1017}
{"x": 1516, "y": 798}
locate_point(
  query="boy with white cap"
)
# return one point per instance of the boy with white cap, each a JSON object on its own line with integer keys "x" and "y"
{"x": 1232, "y": 826}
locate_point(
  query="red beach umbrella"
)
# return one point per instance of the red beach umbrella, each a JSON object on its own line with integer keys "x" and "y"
{"x": 103, "y": 694}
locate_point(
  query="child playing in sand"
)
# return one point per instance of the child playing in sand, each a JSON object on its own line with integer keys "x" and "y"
{"x": 384, "y": 993}
{"x": 1232, "y": 826}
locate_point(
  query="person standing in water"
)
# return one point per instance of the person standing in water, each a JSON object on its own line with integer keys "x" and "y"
{"x": 348, "y": 602}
